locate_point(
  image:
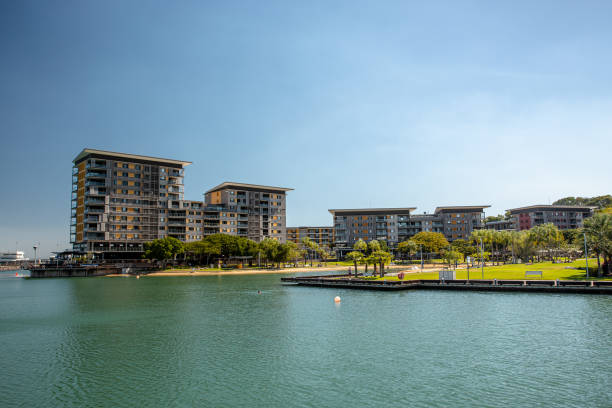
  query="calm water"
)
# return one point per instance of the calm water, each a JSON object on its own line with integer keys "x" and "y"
{"x": 213, "y": 341}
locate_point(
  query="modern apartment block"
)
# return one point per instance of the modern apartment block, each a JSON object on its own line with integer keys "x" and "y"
{"x": 500, "y": 225}
{"x": 455, "y": 222}
{"x": 562, "y": 216}
{"x": 383, "y": 224}
{"x": 252, "y": 211}
{"x": 323, "y": 236}
{"x": 119, "y": 201}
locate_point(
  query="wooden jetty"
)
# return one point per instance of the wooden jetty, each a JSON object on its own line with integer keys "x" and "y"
{"x": 495, "y": 285}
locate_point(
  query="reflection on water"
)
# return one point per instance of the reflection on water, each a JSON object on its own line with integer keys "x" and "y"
{"x": 214, "y": 341}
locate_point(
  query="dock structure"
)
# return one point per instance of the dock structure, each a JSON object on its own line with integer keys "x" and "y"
{"x": 495, "y": 285}
{"x": 84, "y": 271}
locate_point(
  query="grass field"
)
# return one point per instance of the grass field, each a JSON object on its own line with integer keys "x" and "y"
{"x": 550, "y": 271}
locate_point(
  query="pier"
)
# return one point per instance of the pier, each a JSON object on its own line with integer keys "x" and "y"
{"x": 491, "y": 285}
{"x": 83, "y": 271}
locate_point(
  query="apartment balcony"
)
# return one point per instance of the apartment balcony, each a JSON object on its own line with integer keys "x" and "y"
{"x": 96, "y": 175}
{"x": 94, "y": 210}
{"x": 94, "y": 165}
{"x": 95, "y": 184}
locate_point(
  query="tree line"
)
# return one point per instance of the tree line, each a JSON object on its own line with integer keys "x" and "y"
{"x": 540, "y": 243}
{"x": 224, "y": 248}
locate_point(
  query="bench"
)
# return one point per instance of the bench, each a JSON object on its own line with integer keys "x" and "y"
{"x": 533, "y": 273}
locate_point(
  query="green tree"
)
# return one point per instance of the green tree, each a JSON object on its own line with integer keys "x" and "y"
{"x": 598, "y": 230}
{"x": 356, "y": 257}
{"x": 269, "y": 249}
{"x": 432, "y": 242}
{"x": 381, "y": 258}
{"x": 463, "y": 247}
{"x": 408, "y": 247}
{"x": 546, "y": 237}
{"x": 311, "y": 246}
{"x": 373, "y": 246}
{"x": 451, "y": 256}
{"x": 163, "y": 249}
{"x": 360, "y": 245}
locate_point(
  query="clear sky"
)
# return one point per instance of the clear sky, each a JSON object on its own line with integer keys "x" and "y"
{"x": 353, "y": 104}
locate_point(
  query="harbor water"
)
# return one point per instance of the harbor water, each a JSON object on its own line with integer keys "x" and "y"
{"x": 249, "y": 341}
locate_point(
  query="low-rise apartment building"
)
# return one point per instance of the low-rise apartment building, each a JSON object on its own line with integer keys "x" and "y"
{"x": 562, "y": 216}
{"x": 382, "y": 224}
{"x": 248, "y": 210}
{"x": 323, "y": 236}
{"x": 455, "y": 222}
{"x": 500, "y": 225}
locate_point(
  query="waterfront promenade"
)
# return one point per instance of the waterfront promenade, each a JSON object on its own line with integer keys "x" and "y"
{"x": 491, "y": 285}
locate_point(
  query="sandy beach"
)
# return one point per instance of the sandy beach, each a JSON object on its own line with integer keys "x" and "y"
{"x": 246, "y": 271}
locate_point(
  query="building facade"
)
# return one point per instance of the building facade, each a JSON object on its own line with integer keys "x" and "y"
{"x": 323, "y": 236}
{"x": 120, "y": 201}
{"x": 562, "y": 216}
{"x": 501, "y": 225}
{"x": 382, "y": 224}
{"x": 456, "y": 222}
{"x": 248, "y": 210}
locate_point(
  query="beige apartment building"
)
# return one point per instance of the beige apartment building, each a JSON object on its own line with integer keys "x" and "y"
{"x": 120, "y": 201}
{"x": 323, "y": 236}
{"x": 248, "y": 210}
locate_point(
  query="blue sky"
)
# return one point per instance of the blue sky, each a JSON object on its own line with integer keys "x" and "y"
{"x": 352, "y": 104}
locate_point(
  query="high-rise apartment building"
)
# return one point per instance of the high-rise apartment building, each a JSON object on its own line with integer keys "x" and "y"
{"x": 562, "y": 216}
{"x": 323, "y": 236}
{"x": 249, "y": 210}
{"x": 120, "y": 201}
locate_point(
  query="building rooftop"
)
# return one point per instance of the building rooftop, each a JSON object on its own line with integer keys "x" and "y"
{"x": 359, "y": 211}
{"x": 245, "y": 186}
{"x": 115, "y": 155}
{"x": 498, "y": 222}
{"x": 551, "y": 207}
{"x": 461, "y": 208}
{"x": 314, "y": 227}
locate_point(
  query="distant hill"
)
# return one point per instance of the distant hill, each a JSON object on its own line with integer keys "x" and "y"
{"x": 599, "y": 202}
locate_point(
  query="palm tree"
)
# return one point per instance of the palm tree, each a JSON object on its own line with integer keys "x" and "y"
{"x": 598, "y": 230}
{"x": 355, "y": 257}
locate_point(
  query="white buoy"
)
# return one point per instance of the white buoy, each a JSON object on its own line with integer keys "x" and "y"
{"x": 137, "y": 276}
{"x": 337, "y": 299}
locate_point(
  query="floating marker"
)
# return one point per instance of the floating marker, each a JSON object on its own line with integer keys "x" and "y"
{"x": 337, "y": 299}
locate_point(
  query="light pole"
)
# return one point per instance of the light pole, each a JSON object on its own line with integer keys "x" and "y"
{"x": 421, "y": 245}
{"x": 35, "y": 258}
{"x": 586, "y": 255}
{"x": 481, "y": 258}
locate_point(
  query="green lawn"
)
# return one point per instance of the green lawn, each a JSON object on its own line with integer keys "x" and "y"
{"x": 549, "y": 270}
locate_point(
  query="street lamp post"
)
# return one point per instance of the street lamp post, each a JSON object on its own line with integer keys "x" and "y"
{"x": 35, "y": 257}
{"x": 421, "y": 245}
{"x": 481, "y": 258}
{"x": 586, "y": 255}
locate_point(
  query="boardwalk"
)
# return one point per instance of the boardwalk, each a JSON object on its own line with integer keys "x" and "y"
{"x": 591, "y": 287}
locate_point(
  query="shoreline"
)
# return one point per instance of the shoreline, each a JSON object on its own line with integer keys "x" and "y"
{"x": 203, "y": 272}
